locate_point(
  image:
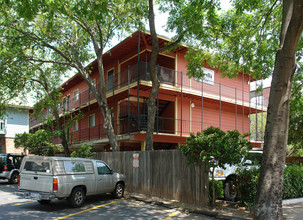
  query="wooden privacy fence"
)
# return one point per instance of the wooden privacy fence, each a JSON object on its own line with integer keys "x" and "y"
{"x": 160, "y": 173}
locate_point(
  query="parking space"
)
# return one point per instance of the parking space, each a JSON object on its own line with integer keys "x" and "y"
{"x": 96, "y": 207}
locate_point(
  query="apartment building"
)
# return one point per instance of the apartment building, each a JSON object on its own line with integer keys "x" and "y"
{"x": 184, "y": 104}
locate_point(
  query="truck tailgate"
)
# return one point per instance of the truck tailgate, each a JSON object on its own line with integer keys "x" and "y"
{"x": 36, "y": 182}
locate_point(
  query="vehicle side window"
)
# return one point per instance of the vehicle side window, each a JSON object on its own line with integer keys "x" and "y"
{"x": 102, "y": 168}
{"x": 74, "y": 167}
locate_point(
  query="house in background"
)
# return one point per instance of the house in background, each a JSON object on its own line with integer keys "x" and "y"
{"x": 15, "y": 121}
{"x": 184, "y": 105}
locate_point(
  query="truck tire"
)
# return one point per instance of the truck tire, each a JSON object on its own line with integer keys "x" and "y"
{"x": 77, "y": 197}
{"x": 230, "y": 190}
{"x": 119, "y": 191}
{"x": 14, "y": 178}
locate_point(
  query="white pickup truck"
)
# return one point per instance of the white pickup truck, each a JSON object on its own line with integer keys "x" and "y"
{"x": 229, "y": 174}
{"x": 46, "y": 178}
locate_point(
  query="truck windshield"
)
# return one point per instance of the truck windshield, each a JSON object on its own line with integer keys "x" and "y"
{"x": 37, "y": 166}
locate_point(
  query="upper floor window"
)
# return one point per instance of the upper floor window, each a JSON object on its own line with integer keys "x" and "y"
{"x": 2, "y": 125}
{"x": 76, "y": 126}
{"x": 76, "y": 95}
{"x": 66, "y": 103}
{"x": 110, "y": 80}
{"x": 91, "y": 121}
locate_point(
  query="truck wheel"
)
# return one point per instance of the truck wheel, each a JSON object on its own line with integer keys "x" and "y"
{"x": 44, "y": 201}
{"x": 119, "y": 191}
{"x": 77, "y": 197}
{"x": 14, "y": 178}
{"x": 230, "y": 190}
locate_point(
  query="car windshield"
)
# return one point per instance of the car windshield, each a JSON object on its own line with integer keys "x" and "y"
{"x": 255, "y": 158}
{"x": 2, "y": 159}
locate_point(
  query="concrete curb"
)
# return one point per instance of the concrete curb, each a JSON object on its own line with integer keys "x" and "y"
{"x": 209, "y": 213}
{"x": 292, "y": 201}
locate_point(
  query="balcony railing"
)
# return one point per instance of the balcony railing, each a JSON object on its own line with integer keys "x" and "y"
{"x": 177, "y": 80}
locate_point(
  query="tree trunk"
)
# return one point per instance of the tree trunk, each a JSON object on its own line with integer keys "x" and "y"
{"x": 105, "y": 111}
{"x": 154, "y": 78}
{"x": 268, "y": 204}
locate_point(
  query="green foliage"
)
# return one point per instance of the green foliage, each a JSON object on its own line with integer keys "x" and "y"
{"x": 295, "y": 138}
{"x": 214, "y": 144}
{"x": 38, "y": 143}
{"x": 293, "y": 182}
{"x": 218, "y": 189}
{"x": 248, "y": 182}
{"x": 84, "y": 151}
{"x": 226, "y": 148}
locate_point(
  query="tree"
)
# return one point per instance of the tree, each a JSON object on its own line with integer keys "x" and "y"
{"x": 295, "y": 139}
{"x": 84, "y": 151}
{"x": 180, "y": 12}
{"x": 215, "y": 148}
{"x": 38, "y": 143}
{"x": 66, "y": 31}
{"x": 268, "y": 203}
{"x": 259, "y": 38}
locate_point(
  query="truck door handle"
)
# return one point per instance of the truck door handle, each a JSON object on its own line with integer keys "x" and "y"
{"x": 35, "y": 177}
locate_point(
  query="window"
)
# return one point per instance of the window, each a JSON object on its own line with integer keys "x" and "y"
{"x": 102, "y": 168}
{"x": 110, "y": 80}
{"x": 66, "y": 103}
{"x": 74, "y": 167}
{"x": 2, "y": 126}
{"x": 76, "y": 126}
{"x": 76, "y": 95}
{"x": 91, "y": 121}
{"x": 37, "y": 166}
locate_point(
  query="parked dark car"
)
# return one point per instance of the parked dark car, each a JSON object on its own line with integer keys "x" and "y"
{"x": 9, "y": 167}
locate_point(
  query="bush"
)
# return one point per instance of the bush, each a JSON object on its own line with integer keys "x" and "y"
{"x": 248, "y": 182}
{"x": 218, "y": 189}
{"x": 293, "y": 182}
{"x": 83, "y": 152}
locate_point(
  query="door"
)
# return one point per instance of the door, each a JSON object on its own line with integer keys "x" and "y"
{"x": 105, "y": 182}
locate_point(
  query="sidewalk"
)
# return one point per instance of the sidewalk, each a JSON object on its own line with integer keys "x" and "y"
{"x": 292, "y": 209}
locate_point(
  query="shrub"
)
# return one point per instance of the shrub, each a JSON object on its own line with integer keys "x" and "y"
{"x": 248, "y": 182}
{"x": 293, "y": 182}
{"x": 83, "y": 152}
{"x": 218, "y": 189}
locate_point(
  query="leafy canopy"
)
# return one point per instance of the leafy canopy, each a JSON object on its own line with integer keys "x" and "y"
{"x": 38, "y": 143}
{"x": 213, "y": 143}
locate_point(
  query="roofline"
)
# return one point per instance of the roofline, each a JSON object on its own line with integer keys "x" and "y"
{"x": 95, "y": 60}
{"x": 19, "y": 106}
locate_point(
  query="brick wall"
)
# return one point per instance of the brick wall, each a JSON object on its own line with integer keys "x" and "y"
{"x": 10, "y": 146}
{"x": 2, "y": 145}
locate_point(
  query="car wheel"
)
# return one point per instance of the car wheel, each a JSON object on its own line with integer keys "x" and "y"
{"x": 119, "y": 191}
{"x": 230, "y": 190}
{"x": 44, "y": 201}
{"x": 77, "y": 197}
{"x": 14, "y": 178}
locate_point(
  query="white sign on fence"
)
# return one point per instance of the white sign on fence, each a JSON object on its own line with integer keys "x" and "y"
{"x": 135, "y": 160}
